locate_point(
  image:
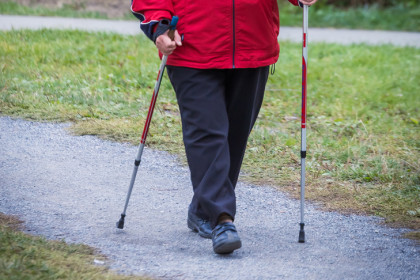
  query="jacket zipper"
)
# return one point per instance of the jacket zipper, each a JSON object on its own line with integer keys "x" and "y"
{"x": 233, "y": 53}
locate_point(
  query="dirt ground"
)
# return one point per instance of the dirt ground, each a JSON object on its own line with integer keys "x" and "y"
{"x": 112, "y": 8}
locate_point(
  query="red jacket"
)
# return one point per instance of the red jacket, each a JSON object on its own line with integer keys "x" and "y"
{"x": 217, "y": 33}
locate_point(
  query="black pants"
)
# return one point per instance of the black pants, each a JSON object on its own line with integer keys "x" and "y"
{"x": 218, "y": 110}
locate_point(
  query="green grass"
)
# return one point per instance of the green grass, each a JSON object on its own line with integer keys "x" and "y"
{"x": 23, "y": 256}
{"x": 400, "y": 17}
{"x": 363, "y": 112}
{"x": 74, "y": 10}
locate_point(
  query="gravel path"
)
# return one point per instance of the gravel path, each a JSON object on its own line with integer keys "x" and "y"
{"x": 294, "y": 34}
{"x": 73, "y": 188}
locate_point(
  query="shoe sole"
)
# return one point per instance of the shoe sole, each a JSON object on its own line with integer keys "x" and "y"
{"x": 194, "y": 228}
{"x": 228, "y": 248}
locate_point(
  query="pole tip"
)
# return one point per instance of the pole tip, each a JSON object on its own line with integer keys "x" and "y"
{"x": 120, "y": 223}
{"x": 302, "y": 233}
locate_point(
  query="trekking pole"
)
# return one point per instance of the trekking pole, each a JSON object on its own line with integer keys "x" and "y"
{"x": 120, "y": 223}
{"x": 303, "y": 123}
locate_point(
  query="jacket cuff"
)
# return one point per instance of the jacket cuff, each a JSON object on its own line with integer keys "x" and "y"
{"x": 300, "y": 4}
{"x": 161, "y": 28}
{"x": 151, "y": 19}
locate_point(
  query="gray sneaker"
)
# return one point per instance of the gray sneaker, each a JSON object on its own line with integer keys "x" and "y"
{"x": 199, "y": 225}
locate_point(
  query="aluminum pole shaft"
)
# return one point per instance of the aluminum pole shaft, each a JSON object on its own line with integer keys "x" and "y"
{"x": 303, "y": 122}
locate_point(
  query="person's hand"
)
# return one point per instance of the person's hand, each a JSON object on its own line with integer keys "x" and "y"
{"x": 308, "y": 2}
{"x": 165, "y": 44}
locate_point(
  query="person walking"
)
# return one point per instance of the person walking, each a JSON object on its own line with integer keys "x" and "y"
{"x": 218, "y": 65}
